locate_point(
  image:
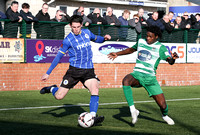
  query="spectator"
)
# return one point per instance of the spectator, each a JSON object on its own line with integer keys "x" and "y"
{"x": 80, "y": 12}
{"x": 186, "y": 20}
{"x": 43, "y": 30}
{"x": 164, "y": 24}
{"x": 58, "y": 30}
{"x": 96, "y": 17}
{"x": 2, "y": 16}
{"x": 171, "y": 15}
{"x": 124, "y": 22}
{"x": 135, "y": 28}
{"x": 124, "y": 18}
{"x": 112, "y": 20}
{"x": 195, "y": 21}
{"x": 178, "y": 24}
{"x": 11, "y": 27}
{"x": 28, "y": 18}
{"x": 142, "y": 20}
{"x": 152, "y": 20}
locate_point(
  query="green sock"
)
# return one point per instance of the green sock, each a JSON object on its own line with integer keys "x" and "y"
{"x": 128, "y": 95}
{"x": 165, "y": 111}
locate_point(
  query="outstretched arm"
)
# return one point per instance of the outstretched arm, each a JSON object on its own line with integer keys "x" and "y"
{"x": 171, "y": 60}
{"x": 113, "y": 55}
{"x": 53, "y": 65}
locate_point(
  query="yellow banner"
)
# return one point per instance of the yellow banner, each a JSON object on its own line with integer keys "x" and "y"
{"x": 11, "y": 50}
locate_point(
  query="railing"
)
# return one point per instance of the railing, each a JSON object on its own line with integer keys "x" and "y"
{"x": 59, "y": 30}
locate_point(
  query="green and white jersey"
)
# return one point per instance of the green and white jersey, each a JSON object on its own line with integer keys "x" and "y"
{"x": 149, "y": 56}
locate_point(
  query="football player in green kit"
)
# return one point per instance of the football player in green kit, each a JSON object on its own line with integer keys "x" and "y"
{"x": 149, "y": 54}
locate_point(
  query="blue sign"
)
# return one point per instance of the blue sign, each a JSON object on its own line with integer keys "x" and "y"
{"x": 178, "y": 11}
{"x": 106, "y": 49}
{"x": 136, "y": 3}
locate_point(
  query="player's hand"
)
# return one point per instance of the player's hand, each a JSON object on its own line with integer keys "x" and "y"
{"x": 107, "y": 37}
{"x": 45, "y": 77}
{"x": 174, "y": 55}
{"x": 112, "y": 56}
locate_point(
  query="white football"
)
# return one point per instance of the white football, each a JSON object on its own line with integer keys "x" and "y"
{"x": 85, "y": 120}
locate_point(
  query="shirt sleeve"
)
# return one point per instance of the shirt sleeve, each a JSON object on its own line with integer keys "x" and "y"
{"x": 65, "y": 46}
{"x": 95, "y": 38}
{"x": 135, "y": 46}
{"x": 163, "y": 52}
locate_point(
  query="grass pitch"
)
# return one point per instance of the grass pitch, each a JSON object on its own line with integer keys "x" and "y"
{"x": 29, "y": 113}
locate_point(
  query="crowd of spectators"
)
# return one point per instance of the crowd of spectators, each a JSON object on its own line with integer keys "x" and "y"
{"x": 165, "y": 23}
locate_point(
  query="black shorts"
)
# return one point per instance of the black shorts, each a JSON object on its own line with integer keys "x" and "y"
{"x": 74, "y": 75}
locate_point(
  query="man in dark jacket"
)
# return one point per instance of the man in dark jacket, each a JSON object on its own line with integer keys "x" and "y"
{"x": 11, "y": 27}
{"x": 80, "y": 12}
{"x": 58, "y": 29}
{"x": 178, "y": 23}
{"x": 28, "y": 18}
{"x": 42, "y": 29}
{"x": 123, "y": 31}
{"x": 195, "y": 21}
{"x": 186, "y": 20}
{"x": 152, "y": 20}
{"x": 142, "y": 20}
{"x": 2, "y": 16}
{"x": 112, "y": 20}
{"x": 96, "y": 17}
{"x": 164, "y": 24}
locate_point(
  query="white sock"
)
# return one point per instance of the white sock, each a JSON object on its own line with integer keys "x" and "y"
{"x": 132, "y": 108}
{"x": 51, "y": 89}
{"x": 93, "y": 114}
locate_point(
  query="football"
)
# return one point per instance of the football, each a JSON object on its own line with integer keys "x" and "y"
{"x": 85, "y": 120}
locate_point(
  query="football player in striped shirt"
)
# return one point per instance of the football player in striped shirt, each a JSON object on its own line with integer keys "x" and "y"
{"x": 81, "y": 68}
{"x": 149, "y": 54}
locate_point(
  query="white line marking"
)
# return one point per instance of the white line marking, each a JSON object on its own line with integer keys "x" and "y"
{"x": 116, "y": 103}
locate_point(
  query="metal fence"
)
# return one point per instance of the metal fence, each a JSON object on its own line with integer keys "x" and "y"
{"x": 59, "y": 30}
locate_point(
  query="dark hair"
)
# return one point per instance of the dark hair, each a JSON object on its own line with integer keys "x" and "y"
{"x": 197, "y": 14}
{"x": 14, "y": 2}
{"x": 156, "y": 30}
{"x": 25, "y": 5}
{"x": 171, "y": 12}
{"x": 45, "y": 4}
{"x": 76, "y": 18}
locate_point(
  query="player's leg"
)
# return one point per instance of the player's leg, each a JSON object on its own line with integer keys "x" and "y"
{"x": 58, "y": 93}
{"x": 67, "y": 83}
{"x": 127, "y": 82}
{"x": 93, "y": 87}
{"x": 160, "y": 100}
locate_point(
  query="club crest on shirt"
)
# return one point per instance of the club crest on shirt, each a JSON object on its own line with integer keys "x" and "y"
{"x": 65, "y": 82}
{"x": 86, "y": 36}
{"x": 144, "y": 55}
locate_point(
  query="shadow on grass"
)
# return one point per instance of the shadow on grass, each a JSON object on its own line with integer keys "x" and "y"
{"x": 125, "y": 112}
{"x": 69, "y": 109}
{"x": 16, "y": 128}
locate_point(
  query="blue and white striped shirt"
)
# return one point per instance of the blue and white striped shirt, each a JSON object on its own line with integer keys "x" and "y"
{"x": 79, "y": 48}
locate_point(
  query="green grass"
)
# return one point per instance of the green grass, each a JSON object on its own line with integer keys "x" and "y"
{"x": 63, "y": 120}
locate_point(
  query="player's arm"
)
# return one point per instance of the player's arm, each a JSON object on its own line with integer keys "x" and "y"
{"x": 99, "y": 39}
{"x": 63, "y": 48}
{"x": 114, "y": 55}
{"x": 130, "y": 50}
{"x": 53, "y": 65}
{"x": 171, "y": 60}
